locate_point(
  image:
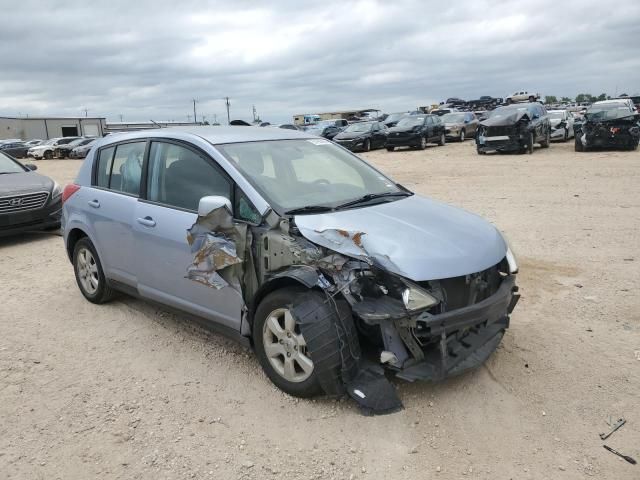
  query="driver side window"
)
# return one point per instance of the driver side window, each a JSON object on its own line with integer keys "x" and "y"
{"x": 180, "y": 177}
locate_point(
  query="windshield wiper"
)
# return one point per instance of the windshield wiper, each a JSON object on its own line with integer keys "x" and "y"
{"x": 309, "y": 209}
{"x": 372, "y": 196}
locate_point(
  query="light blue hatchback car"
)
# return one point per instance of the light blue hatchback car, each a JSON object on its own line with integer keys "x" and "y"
{"x": 294, "y": 245}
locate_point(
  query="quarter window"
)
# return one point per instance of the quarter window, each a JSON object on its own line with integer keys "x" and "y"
{"x": 180, "y": 177}
{"x": 105, "y": 161}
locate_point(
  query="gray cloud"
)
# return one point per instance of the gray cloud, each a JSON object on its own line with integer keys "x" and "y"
{"x": 147, "y": 59}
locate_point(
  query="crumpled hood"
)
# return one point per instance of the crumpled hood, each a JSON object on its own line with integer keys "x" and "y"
{"x": 504, "y": 120}
{"x": 350, "y": 135}
{"x": 415, "y": 237}
{"x": 24, "y": 182}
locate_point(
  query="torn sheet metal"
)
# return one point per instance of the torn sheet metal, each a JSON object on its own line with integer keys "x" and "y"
{"x": 217, "y": 244}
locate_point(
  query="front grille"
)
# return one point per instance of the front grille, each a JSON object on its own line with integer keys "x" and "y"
{"x": 20, "y": 203}
{"x": 467, "y": 290}
{"x": 498, "y": 131}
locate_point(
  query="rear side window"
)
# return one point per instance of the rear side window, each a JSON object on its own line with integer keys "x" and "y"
{"x": 180, "y": 177}
{"x": 126, "y": 171}
{"x": 120, "y": 167}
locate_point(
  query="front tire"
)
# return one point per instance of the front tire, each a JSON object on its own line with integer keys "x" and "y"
{"x": 304, "y": 356}
{"x": 367, "y": 145}
{"x": 390, "y": 149}
{"x": 547, "y": 140}
{"x": 443, "y": 140}
{"x": 529, "y": 147}
{"x": 462, "y": 136}
{"x": 423, "y": 143}
{"x": 89, "y": 273}
{"x": 48, "y": 155}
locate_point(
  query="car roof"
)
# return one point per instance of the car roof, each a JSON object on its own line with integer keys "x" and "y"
{"x": 213, "y": 134}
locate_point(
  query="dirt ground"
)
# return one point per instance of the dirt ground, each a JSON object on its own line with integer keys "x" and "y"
{"x": 126, "y": 390}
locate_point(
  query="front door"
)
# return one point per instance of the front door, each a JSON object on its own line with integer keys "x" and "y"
{"x": 177, "y": 178}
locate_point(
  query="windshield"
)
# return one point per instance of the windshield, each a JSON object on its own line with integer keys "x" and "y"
{"x": 553, "y": 114}
{"x": 8, "y": 165}
{"x": 395, "y": 117}
{"x": 292, "y": 174}
{"x": 358, "y": 127}
{"x": 411, "y": 121}
{"x": 506, "y": 111}
{"x": 609, "y": 111}
{"x": 453, "y": 118}
{"x": 49, "y": 142}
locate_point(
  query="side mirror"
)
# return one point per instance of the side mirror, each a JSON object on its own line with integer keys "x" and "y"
{"x": 211, "y": 203}
{"x": 31, "y": 166}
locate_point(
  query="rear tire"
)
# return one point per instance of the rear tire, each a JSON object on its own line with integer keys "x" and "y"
{"x": 89, "y": 273}
{"x": 48, "y": 155}
{"x": 532, "y": 98}
{"x": 462, "y": 136}
{"x": 443, "y": 140}
{"x": 390, "y": 149}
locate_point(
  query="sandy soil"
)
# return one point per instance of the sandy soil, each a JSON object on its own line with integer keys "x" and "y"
{"x": 126, "y": 390}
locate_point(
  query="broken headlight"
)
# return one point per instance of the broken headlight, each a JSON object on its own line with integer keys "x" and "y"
{"x": 415, "y": 298}
{"x": 510, "y": 257}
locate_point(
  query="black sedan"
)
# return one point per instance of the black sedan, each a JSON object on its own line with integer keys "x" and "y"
{"x": 416, "y": 131}
{"x": 363, "y": 136}
{"x": 326, "y": 131}
{"x": 28, "y": 200}
{"x": 15, "y": 149}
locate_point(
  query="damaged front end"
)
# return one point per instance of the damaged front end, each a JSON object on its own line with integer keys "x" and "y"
{"x": 617, "y": 133}
{"x": 510, "y": 135}
{"x": 419, "y": 330}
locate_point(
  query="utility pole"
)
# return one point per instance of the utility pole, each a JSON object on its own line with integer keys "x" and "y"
{"x": 226, "y": 101}
{"x": 86, "y": 112}
{"x": 120, "y": 117}
{"x": 195, "y": 118}
{"x": 215, "y": 118}
{"x": 254, "y": 113}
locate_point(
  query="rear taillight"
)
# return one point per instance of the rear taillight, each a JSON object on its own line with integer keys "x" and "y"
{"x": 69, "y": 190}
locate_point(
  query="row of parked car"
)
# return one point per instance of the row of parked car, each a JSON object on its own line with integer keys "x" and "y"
{"x": 62, "y": 147}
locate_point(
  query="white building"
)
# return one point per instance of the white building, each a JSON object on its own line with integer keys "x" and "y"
{"x": 51, "y": 127}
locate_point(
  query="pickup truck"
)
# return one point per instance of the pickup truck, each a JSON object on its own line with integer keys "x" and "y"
{"x": 485, "y": 101}
{"x": 522, "y": 96}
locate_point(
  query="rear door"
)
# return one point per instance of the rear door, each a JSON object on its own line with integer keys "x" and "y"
{"x": 111, "y": 205}
{"x": 177, "y": 177}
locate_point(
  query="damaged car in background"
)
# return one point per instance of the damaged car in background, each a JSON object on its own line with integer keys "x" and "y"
{"x": 333, "y": 272}
{"x": 561, "y": 122}
{"x": 514, "y": 128}
{"x": 608, "y": 124}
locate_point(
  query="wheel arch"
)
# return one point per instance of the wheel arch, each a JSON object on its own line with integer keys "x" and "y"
{"x": 74, "y": 235}
{"x": 283, "y": 280}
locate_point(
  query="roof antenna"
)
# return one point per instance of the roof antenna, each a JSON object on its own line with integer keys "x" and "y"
{"x": 155, "y": 123}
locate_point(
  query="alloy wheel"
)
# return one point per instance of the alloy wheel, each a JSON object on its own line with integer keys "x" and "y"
{"x": 285, "y": 347}
{"x": 87, "y": 271}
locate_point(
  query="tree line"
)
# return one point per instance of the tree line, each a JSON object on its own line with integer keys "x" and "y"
{"x": 580, "y": 98}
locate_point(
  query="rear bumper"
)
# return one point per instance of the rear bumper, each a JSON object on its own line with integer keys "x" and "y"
{"x": 463, "y": 339}
{"x": 40, "y": 219}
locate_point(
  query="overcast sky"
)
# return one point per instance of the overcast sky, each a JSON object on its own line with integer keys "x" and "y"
{"x": 146, "y": 59}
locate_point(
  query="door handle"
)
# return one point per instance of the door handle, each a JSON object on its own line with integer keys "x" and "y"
{"x": 147, "y": 221}
{"x": 94, "y": 203}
